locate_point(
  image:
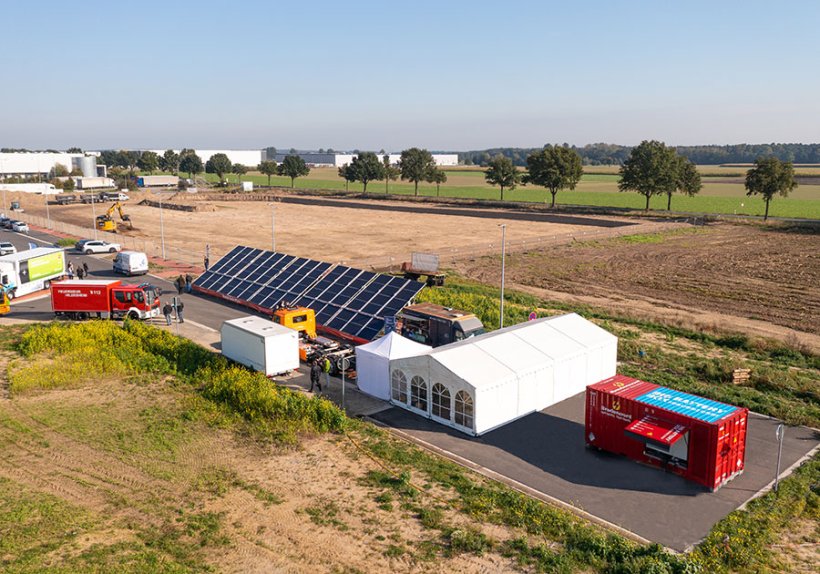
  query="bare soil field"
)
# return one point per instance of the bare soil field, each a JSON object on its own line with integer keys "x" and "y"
{"x": 329, "y": 233}
{"x": 744, "y": 271}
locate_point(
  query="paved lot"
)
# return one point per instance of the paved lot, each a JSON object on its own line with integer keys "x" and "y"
{"x": 545, "y": 451}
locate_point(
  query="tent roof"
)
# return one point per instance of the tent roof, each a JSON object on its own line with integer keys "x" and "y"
{"x": 394, "y": 346}
{"x": 486, "y": 360}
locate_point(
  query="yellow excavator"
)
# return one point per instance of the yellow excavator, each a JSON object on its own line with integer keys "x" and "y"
{"x": 106, "y": 222}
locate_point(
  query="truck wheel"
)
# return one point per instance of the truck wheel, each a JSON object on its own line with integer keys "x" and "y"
{"x": 133, "y": 315}
{"x": 82, "y": 316}
{"x": 10, "y": 295}
{"x": 46, "y": 284}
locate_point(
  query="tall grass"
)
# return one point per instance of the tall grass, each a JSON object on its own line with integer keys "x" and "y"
{"x": 63, "y": 354}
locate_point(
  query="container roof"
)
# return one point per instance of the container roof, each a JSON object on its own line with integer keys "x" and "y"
{"x": 258, "y": 326}
{"x": 30, "y": 254}
{"x": 689, "y": 405}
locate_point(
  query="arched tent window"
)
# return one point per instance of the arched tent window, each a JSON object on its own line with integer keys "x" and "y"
{"x": 464, "y": 409}
{"x": 441, "y": 401}
{"x": 398, "y": 386}
{"x": 418, "y": 393}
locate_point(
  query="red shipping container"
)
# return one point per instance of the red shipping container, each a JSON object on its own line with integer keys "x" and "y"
{"x": 699, "y": 439}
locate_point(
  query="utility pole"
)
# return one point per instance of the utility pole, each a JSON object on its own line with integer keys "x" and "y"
{"x": 273, "y": 227}
{"x": 48, "y": 214}
{"x": 503, "y": 262}
{"x": 779, "y": 434}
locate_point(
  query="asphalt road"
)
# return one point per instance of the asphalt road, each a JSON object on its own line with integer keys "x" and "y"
{"x": 545, "y": 451}
{"x": 203, "y": 310}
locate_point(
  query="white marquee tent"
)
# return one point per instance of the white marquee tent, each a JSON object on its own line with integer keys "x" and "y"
{"x": 373, "y": 362}
{"x": 484, "y": 382}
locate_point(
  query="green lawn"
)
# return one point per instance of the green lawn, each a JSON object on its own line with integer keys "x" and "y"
{"x": 595, "y": 189}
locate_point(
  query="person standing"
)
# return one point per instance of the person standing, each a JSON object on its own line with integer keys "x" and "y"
{"x": 70, "y": 270}
{"x": 188, "y": 281}
{"x": 315, "y": 376}
{"x": 85, "y": 269}
{"x": 180, "y": 307}
{"x": 207, "y": 261}
{"x": 167, "y": 310}
{"x": 180, "y": 283}
{"x": 80, "y": 272}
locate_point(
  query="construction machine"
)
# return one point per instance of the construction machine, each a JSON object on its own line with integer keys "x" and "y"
{"x": 342, "y": 356}
{"x": 106, "y": 222}
{"x": 5, "y": 306}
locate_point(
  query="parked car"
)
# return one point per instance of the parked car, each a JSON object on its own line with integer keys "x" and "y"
{"x": 88, "y": 246}
{"x": 5, "y": 222}
{"x": 7, "y": 248}
{"x": 113, "y": 196}
{"x": 19, "y": 226}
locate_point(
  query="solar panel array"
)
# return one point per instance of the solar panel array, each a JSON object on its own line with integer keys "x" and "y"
{"x": 346, "y": 299}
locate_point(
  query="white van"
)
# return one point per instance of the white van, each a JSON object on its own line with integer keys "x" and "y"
{"x": 131, "y": 263}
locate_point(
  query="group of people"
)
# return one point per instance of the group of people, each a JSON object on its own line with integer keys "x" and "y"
{"x": 81, "y": 272}
{"x": 168, "y": 310}
{"x": 183, "y": 283}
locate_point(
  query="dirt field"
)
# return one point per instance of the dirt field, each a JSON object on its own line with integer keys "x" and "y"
{"x": 316, "y": 231}
{"x": 729, "y": 270}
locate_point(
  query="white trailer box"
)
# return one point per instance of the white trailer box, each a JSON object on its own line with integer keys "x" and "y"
{"x": 261, "y": 344}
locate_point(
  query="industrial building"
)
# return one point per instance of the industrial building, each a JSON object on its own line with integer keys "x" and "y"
{"x": 316, "y": 159}
{"x": 40, "y": 164}
{"x": 250, "y": 158}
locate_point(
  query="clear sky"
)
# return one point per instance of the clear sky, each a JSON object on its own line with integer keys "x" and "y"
{"x": 445, "y": 75}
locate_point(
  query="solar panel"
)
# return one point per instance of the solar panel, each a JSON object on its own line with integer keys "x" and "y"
{"x": 344, "y": 298}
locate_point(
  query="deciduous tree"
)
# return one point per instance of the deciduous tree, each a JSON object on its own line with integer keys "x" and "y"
{"x": 416, "y": 165}
{"x": 293, "y": 166}
{"x": 651, "y": 169}
{"x": 170, "y": 161}
{"x": 391, "y": 173}
{"x": 189, "y": 161}
{"x": 218, "y": 164}
{"x": 239, "y": 170}
{"x": 769, "y": 177}
{"x": 555, "y": 168}
{"x": 346, "y": 174}
{"x": 688, "y": 180}
{"x": 267, "y": 167}
{"x": 437, "y": 176}
{"x": 501, "y": 172}
{"x": 365, "y": 168}
{"x": 148, "y": 161}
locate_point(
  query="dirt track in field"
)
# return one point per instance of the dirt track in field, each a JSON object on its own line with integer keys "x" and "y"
{"x": 723, "y": 271}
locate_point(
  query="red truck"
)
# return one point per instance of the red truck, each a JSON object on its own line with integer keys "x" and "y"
{"x": 108, "y": 299}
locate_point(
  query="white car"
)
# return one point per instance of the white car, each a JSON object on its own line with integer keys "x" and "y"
{"x": 19, "y": 226}
{"x": 7, "y": 248}
{"x": 95, "y": 246}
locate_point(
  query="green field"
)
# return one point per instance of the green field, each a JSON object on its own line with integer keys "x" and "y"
{"x": 595, "y": 189}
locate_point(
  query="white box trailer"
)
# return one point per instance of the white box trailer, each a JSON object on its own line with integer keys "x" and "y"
{"x": 261, "y": 344}
{"x": 31, "y": 270}
{"x": 84, "y": 183}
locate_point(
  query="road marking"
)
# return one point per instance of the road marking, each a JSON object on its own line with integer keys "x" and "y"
{"x": 201, "y": 326}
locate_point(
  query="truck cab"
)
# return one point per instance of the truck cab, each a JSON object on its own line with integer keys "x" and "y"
{"x": 135, "y": 301}
{"x": 301, "y": 319}
{"x": 435, "y": 325}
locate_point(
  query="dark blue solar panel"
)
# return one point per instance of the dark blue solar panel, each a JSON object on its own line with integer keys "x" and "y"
{"x": 276, "y": 268}
{"x": 262, "y": 294}
{"x": 227, "y": 258}
{"x": 325, "y": 312}
{"x": 240, "y": 288}
{"x": 260, "y": 266}
{"x": 206, "y": 279}
{"x": 275, "y": 297}
{"x": 371, "y": 330}
{"x": 241, "y": 263}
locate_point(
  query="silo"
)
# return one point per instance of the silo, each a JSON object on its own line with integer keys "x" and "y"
{"x": 88, "y": 165}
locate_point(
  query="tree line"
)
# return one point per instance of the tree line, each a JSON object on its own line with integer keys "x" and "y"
{"x": 651, "y": 168}
{"x": 613, "y": 154}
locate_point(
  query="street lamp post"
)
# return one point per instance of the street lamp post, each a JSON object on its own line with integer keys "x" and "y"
{"x": 48, "y": 214}
{"x": 779, "y": 433}
{"x": 161, "y": 228}
{"x": 503, "y": 262}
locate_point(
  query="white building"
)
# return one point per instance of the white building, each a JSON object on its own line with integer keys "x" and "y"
{"x": 23, "y": 164}
{"x": 341, "y": 159}
{"x": 250, "y": 158}
{"x": 482, "y": 383}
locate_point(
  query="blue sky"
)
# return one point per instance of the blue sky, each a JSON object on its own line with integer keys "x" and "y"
{"x": 442, "y": 75}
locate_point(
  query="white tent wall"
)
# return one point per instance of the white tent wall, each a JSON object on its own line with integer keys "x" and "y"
{"x": 373, "y": 362}
{"x": 512, "y": 372}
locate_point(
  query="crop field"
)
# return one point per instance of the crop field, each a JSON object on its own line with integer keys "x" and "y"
{"x": 721, "y": 193}
{"x": 742, "y": 277}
